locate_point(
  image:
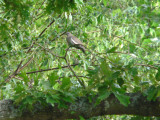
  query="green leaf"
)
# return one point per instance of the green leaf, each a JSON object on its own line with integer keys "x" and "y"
{"x": 36, "y": 79}
{"x": 136, "y": 79}
{"x": 28, "y": 100}
{"x": 103, "y": 95}
{"x": 116, "y": 88}
{"x": 66, "y": 82}
{"x": 50, "y": 100}
{"x": 1, "y": 94}
{"x": 133, "y": 71}
{"x": 105, "y": 2}
{"x": 158, "y": 75}
{"x": 112, "y": 50}
{"x": 46, "y": 85}
{"x": 79, "y": 1}
{"x": 124, "y": 99}
{"x": 24, "y": 76}
{"x": 120, "y": 81}
{"x": 93, "y": 72}
{"x": 106, "y": 71}
{"x": 116, "y": 74}
{"x": 20, "y": 97}
{"x": 68, "y": 98}
{"x": 146, "y": 42}
{"x": 151, "y": 93}
{"x": 45, "y": 62}
{"x": 19, "y": 88}
{"x": 158, "y": 93}
{"x": 99, "y": 18}
{"x": 132, "y": 48}
{"x": 81, "y": 118}
{"x": 52, "y": 78}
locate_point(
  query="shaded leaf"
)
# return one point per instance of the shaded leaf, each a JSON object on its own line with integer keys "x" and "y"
{"x": 120, "y": 81}
{"x": 124, "y": 99}
{"x": 151, "y": 93}
{"x": 103, "y": 95}
{"x": 52, "y": 78}
{"x": 158, "y": 74}
{"x": 112, "y": 50}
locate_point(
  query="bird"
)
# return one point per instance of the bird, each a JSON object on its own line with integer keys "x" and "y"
{"x": 75, "y": 42}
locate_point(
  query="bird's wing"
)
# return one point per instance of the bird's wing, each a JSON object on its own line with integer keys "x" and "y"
{"x": 75, "y": 40}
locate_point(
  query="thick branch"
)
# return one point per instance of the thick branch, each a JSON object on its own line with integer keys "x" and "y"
{"x": 82, "y": 107}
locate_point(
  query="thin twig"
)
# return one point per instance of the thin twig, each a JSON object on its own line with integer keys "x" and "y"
{"x": 39, "y": 17}
{"x": 58, "y": 36}
{"x": 94, "y": 31}
{"x": 66, "y": 52}
{"x": 48, "y": 50}
{"x": 119, "y": 52}
{"x": 130, "y": 42}
{"x": 3, "y": 54}
{"x": 40, "y": 35}
{"x": 29, "y": 49}
{"x": 19, "y": 68}
{"x": 43, "y": 70}
{"x": 147, "y": 66}
{"x": 75, "y": 76}
{"x": 15, "y": 72}
{"x": 81, "y": 83}
{"x": 36, "y": 13}
{"x": 41, "y": 5}
{"x": 27, "y": 63}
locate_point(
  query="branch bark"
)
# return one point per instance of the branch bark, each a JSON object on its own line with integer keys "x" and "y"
{"x": 82, "y": 107}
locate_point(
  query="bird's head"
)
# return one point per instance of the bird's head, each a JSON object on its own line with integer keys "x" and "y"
{"x": 68, "y": 33}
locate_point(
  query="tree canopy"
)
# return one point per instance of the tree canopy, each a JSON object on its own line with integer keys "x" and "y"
{"x": 122, "y": 51}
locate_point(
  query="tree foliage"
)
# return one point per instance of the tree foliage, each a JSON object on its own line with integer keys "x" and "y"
{"x": 122, "y": 41}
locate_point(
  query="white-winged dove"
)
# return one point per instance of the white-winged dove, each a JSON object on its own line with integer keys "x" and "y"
{"x": 75, "y": 42}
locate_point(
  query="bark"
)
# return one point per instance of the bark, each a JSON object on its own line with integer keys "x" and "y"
{"x": 139, "y": 105}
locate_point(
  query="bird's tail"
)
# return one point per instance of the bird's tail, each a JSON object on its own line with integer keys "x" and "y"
{"x": 82, "y": 48}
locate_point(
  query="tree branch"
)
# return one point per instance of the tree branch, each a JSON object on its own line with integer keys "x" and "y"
{"x": 81, "y": 83}
{"x": 43, "y": 70}
{"x": 27, "y": 63}
{"x": 40, "y": 35}
{"x": 15, "y": 72}
{"x": 75, "y": 76}
{"x": 48, "y": 50}
{"x": 139, "y": 105}
{"x": 130, "y": 42}
{"x": 58, "y": 36}
{"x": 147, "y": 66}
{"x": 11, "y": 76}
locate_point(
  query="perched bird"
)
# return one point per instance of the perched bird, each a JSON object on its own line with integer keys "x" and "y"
{"x": 74, "y": 42}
